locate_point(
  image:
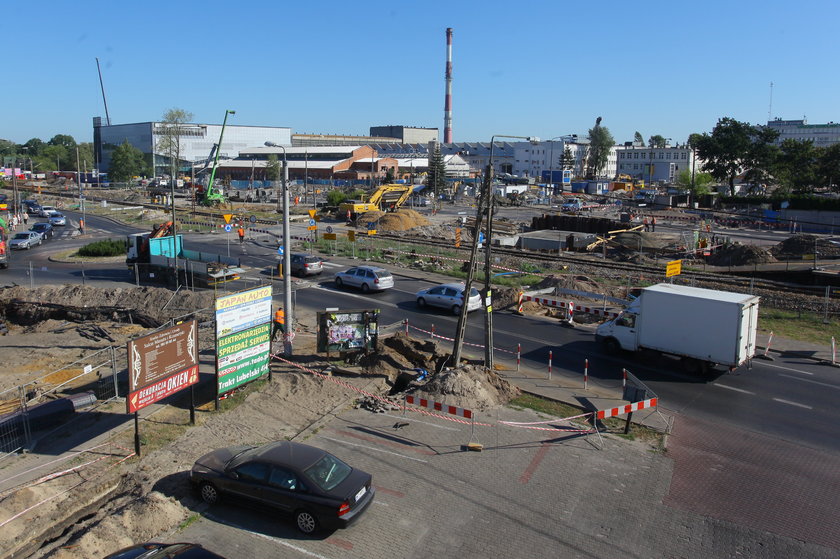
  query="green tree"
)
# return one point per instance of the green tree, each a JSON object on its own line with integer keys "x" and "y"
{"x": 335, "y": 197}
{"x": 34, "y": 147}
{"x": 761, "y": 155}
{"x": 796, "y": 166}
{"x": 702, "y": 182}
{"x": 657, "y": 141}
{"x": 169, "y": 141}
{"x": 600, "y": 144}
{"x": 272, "y": 168}
{"x": 55, "y": 157}
{"x": 725, "y": 151}
{"x": 638, "y": 138}
{"x": 390, "y": 175}
{"x": 67, "y": 142}
{"x": 828, "y": 167}
{"x": 126, "y": 162}
{"x": 436, "y": 178}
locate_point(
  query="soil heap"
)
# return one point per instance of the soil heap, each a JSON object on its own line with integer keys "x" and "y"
{"x": 470, "y": 387}
{"x": 796, "y": 246}
{"x": 400, "y": 220}
{"x": 736, "y": 254}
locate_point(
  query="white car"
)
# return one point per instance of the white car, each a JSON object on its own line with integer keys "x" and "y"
{"x": 58, "y": 219}
{"x": 47, "y": 211}
{"x": 449, "y": 296}
{"x": 366, "y": 278}
{"x": 25, "y": 240}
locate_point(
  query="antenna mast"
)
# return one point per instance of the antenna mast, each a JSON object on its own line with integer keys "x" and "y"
{"x": 102, "y": 87}
{"x": 770, "y": 109}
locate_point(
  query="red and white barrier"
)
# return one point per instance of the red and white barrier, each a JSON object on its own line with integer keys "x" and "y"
{"x": 549, "y": 363}
{"x": 556, "y": 303}
{"x": 585, "y": 373}
{"x": 437, "y": 406}
{"x": 629, "y": 408}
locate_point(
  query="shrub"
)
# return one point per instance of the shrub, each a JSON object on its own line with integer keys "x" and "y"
{"x": 109, "y": 247}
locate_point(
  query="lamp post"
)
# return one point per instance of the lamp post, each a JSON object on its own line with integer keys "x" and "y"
{"x": 485, "y": 204}
{"x": 287, "y": 259}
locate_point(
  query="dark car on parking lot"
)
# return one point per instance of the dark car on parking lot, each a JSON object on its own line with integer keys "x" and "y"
{"x": 305, "y": 265}
{"x": 313, "y": 486}
{"x": 164, "y": 551}
{"x": 44, "y": 228}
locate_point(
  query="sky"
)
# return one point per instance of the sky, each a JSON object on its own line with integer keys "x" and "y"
{"x": 531, "y": 68}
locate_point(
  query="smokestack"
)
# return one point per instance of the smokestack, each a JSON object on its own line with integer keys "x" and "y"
{"x": 447, "y": 109}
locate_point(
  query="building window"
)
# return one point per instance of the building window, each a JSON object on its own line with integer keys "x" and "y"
{"x": 668, "y": 155}
{"x": 684, "y": 156}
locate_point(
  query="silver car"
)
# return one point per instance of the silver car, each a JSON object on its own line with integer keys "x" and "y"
{"x": 25, "y": 240}
{"x": 449, "y": 296}
{"x": 366, "y": 278}
{"x": 305, "y": 265}
{"x": 58, "y": 219}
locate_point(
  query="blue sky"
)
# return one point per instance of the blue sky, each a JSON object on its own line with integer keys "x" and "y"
{"x": 522, "y": 68}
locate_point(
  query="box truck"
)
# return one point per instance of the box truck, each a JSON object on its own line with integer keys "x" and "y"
{"x": 703, "y": 327}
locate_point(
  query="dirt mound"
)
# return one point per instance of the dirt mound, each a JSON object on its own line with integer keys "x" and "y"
{"x": 400, "y": 353}
{"x": 737, "y": 254}
{"x": 798, "y": 245}
{"x": 469, "y": 387}
{"x": 571, "y": 281}
{"x": 400, "y": 220}
{"x": 637, "y": 240}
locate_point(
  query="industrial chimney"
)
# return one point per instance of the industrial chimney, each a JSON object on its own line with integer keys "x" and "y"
{"x": 447, "y": 109}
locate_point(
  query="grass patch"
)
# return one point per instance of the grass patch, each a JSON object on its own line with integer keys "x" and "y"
{"x": 191, "y": 519}
{"x": 802, "y": 326}
{"x": 544, "y": 406}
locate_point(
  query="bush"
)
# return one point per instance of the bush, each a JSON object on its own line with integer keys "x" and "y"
{"x": 335, "y": 197}
{"x": 109, "y": 247}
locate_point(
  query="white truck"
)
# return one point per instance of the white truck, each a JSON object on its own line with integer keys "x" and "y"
{"x": 703, "y": 327}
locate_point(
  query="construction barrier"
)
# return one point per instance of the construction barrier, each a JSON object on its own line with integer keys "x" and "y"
{"x": 628, "y": 408}
{"x": 557, "y": 303}
{"x": 437, "y": 406}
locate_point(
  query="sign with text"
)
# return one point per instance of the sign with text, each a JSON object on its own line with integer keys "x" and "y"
{"x": 161, "y": 363}
{"x": 348, "y": 330}
{"x": 243, "y": 310}
{"x": 673, "y": 268}
{"x": 243, "y": 357}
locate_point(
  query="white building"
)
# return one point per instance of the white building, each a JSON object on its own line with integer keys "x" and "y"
{"x": 823, "y": 135}
{"x": 653, "y": 164}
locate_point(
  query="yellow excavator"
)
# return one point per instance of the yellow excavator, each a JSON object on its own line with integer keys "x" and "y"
{"x": 386, "y": 198}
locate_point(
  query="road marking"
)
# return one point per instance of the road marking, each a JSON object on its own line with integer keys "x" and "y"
{"x": 269, "y": 538}
{"x": 797, "y": 404}
{"x": 535, "y": 462}
{"x": 733, "y": 388}
{"x": 788, "y": 369}
{"x": 835, "y": 387}
{"x": 376, "y": 449}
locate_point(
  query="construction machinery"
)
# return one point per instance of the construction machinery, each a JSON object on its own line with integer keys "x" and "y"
{"x": 386, "y": 198}
{"x": 211, "y": 195}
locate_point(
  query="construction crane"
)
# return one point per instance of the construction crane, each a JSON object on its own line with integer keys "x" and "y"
{"x": 213, "y": 197}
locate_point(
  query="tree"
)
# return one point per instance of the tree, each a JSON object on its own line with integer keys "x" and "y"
{"x": 126, "y": 162}
{"x": 761, "y": 155}
{"x": 725, "y": 150}
{"x": 567, "y": 160}
{"x": 702, "y": 182}
{"x": 34, "y": 147}
{"x": 335, "y": 197}
{"x": 600, "y": 144}
{"x": 796, "y": 165}
{"x": 657, "y": 141}
{"x": 436, "y": 178}
{"x": 55, "y": 157}
{"x": 828, "y": 167}
{"x": 638, "y": 139}
{"x": 272, "y": 168}
{"x": 67, "y": 142}
{"x": 390, "y": 175}
{"x": 170, "y": 132}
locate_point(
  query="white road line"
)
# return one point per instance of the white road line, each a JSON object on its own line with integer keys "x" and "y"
{"x": 376, "y": 449}
{"x": 402, "y": 417}
{"x": 266, "y": 537}
{"x": 834, "y": 386}
{"x": 733, "y": 388}
{"x": 788, "y": 402}
{"x": 787, "y": 369}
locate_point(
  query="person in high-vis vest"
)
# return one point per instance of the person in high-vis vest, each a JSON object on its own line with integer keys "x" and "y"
{"x": 279, "y": 323}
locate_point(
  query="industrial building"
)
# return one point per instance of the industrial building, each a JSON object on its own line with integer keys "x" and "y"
{"x": 823, "y": 135}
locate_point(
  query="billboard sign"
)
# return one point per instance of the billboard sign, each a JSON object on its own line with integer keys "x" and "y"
{"x": 243, "y": 337}
{"x": 243, "y": 310}
{"x": 348, "y": 330}
{"x": 161, "y": 364}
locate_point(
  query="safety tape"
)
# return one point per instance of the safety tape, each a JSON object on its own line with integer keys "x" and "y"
{"x": 433, "y": 335}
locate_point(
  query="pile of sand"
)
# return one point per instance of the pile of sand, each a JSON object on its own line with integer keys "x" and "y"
{"x": 736, "y": 254}
{"x": 469, "y": 387}
{"x": 400, "y": 220}
{"x": 798, "y": 245}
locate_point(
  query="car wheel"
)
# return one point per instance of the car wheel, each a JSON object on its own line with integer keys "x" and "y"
{"x": 209, "y": 493}
{"x": 456, "y": 310}
{"x": 338, "y": 282}
{"x": 365, "y": 288}
{"x": 421, "y": 302}
{"x": 306, "y": 522}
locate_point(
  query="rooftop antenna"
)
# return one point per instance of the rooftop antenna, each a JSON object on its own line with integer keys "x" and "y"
{"x": 102, "y": 87}
{"x": 770, "y": 109}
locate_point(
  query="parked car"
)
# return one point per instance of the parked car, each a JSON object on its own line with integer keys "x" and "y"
{"x": 305, "y": 265}
{"x": 313, "y": 486}
{"x": 31, "y": 206}
{"x": 58, "y": 219}
{"x": 164, "y": 551}
{"x": 449, "y": 296}
{"x": 46, "y": 211}
{"x": 25, "y": 240}
{"x": 366, "y": 278}
{"x": 45, "y": 229}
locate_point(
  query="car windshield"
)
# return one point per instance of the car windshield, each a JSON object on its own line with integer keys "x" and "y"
{"x": 328, "y": 472}
{"x": 22, "y": 236}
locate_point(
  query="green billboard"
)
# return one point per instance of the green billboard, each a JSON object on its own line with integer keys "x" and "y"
{"x": 243, "y": 356}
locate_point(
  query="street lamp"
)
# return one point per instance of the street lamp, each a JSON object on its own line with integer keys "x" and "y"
{"x": 287, "y": 259}
{"x": 485, "y": 204}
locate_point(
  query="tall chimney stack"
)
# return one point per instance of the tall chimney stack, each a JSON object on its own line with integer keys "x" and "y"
{"x": 447, "y": 109}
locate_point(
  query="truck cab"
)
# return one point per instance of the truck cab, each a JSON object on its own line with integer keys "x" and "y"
{"x": 621, "y": 332}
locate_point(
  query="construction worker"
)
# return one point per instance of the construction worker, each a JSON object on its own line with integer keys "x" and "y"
{"x": 241, "y": 233}
{"x": 647, "y": 224}
{"x": 81, "y": 227}
{"x": 279, "y": 322}
{"x": 653, "y": 223}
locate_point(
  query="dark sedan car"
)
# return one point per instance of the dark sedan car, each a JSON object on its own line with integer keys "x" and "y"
{"x": 164, "y": 551}
{"x": 308, "y": 483}
{"x": 44, "y": 228}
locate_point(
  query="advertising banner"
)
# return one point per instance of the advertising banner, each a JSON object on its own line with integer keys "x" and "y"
{"x": 243, "y": 357}
{"x": 162, "y": 363}
{"x": 348, "y": 330}
{"x": 243, "y": 310}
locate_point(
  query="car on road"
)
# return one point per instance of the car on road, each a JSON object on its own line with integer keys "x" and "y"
{"x": 25, "y": 240}
{"x": 164, "y": 551}
{"x": 31, "y": 206}
{"x": 44, "y": 228}
{"x": 366, "y": 278}
{"x": 305, "y": 265}
{"x": 316, "y": 488}
{"x": 47, "y": 211}
{"x": 449, "y": 296}
{"x": 58, "y": 219}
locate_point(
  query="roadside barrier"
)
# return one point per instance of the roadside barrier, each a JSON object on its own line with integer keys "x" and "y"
{"x": 627, "y": 408}
{"x": 557, "y": 303}
{"x": 437, "y": 406}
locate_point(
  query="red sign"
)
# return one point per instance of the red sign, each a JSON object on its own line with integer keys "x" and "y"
{"x": 161, "y": 389}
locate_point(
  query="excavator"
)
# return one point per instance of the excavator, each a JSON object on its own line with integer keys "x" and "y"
{"x": 386, "y": 198}
{"x": 213, "y": 196}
